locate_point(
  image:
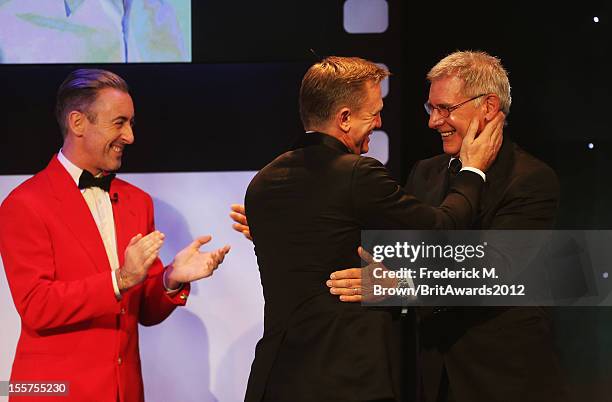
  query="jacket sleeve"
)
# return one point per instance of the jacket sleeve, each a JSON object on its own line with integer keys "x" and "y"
{"x": 42, "y": 301}
{"x": 381, "y": 203}
{"x": 531, "y": 202}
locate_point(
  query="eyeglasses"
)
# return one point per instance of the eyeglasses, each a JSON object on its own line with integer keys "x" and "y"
{"x": 445, "y": 111}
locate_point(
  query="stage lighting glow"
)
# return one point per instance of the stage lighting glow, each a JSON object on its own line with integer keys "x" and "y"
{"x": 384, "y": 84}
{"x": 366, "y": 16}
{"x": 591, "y": 146}
{"x": 596, "y": 19}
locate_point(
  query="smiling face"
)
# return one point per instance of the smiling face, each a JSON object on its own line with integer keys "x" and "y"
{"x": 365, "y": 119}
{"x": 103, "y": 136}
{"x": 447, "y": 91}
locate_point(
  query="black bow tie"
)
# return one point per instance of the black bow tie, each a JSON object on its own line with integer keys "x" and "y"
{"x": 88, "y": 180}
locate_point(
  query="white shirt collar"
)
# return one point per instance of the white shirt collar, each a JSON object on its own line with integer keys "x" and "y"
{"x": 73, "y": 170}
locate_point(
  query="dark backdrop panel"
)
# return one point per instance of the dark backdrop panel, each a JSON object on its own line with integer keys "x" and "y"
{"x": 264, "y": 30}
{"x": 281, "y": 30}
{"x": 206, "y": 117}
{"x": 188, "y": 117}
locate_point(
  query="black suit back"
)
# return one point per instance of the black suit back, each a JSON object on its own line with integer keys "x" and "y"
{"x": 306, "y": 210}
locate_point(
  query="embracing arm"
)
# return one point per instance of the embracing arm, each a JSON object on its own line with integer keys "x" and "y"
{"x": 380, "y": 203}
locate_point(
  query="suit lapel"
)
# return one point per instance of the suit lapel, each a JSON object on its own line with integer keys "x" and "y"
{"x": 126, "y": 224}
{"x": 74, "y": 212}
{"x": 437, "y": 184}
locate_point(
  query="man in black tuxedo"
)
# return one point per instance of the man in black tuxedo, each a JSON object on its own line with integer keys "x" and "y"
{"x": 306, "y": 210}
{"x": 490, "y": 354}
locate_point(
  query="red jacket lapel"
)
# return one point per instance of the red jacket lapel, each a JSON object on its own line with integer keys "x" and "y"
{"x": 73, "y": 210}
{"x": 126, "y": 223}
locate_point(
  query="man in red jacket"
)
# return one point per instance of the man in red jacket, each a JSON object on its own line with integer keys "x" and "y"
{"x": 80, "y": 253}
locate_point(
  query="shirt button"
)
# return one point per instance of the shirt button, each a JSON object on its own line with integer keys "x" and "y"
{"x": 122, "y": 310}
{"x": 119, "y": 361}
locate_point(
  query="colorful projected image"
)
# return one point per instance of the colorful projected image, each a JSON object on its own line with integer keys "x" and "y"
{"x": 95, "y": 31}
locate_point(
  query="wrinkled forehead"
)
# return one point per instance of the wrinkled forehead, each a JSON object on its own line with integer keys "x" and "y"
{"x": 373, "y": 95}
{"x": 446, "y": 89}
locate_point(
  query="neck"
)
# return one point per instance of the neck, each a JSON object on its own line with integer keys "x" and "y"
{"x": 70, "y": 151}
{"x": 348, "y": 142}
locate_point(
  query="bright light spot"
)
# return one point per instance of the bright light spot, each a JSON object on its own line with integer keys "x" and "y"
{"x": 591, "y": 146}
{"x": 596, "y": 19}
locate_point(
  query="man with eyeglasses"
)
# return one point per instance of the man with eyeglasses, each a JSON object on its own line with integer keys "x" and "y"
{"x": 491, "y": 353}
{"x": 486, "y": 354}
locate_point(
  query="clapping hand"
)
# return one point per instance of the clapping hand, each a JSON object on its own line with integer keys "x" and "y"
{"x": 191, "y": 264}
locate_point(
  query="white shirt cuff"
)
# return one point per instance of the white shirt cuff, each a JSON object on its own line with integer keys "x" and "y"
{"x": 166, "y": 288}
{"x": 478, "y": 171}
{"x": 115, "y": 285}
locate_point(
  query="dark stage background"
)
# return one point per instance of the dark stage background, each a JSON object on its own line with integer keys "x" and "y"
{"x": 235, "y": 106}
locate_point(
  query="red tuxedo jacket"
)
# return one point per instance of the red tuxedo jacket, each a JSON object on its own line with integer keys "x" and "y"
{"x": 72, "y": 326}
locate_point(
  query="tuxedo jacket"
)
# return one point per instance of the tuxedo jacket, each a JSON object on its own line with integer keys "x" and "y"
{"x": 306, "y": 210}
{"x": 73, "y": 328}
{"x": 493, "y": 354}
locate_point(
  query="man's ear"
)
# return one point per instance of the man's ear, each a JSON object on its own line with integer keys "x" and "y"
{"x": 76, "y": 122}
{"x": 343, "y": 119}
{"x": 491, "y": 105}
